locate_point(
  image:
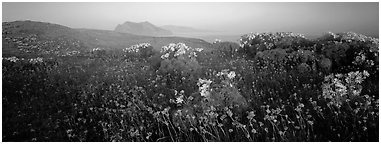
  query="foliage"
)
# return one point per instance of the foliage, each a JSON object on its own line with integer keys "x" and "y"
{"x": 142, "y": 50}
{"x": 258, "y": 42}
{"x": 179, "y": 58}
{"x": 277, "y": 87}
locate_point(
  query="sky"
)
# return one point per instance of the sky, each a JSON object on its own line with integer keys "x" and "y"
{"x": 225, "y": 17}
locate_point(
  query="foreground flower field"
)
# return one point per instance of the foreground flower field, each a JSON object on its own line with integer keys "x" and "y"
{"x": 271, "y": 87}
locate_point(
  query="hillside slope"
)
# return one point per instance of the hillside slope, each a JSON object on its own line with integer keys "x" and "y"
{"x": 30, "y": 38}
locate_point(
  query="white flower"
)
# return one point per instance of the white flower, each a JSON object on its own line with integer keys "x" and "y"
{"x": 231, "y": 75}
{"x": 366, "y": 74}
{"x": 165, "y": 56}
{"x": 36, "y": 60}
{"x": 217, "y": 41}
{"x": 199, "y": 49}
{"x": 96, "y": 49}
{"x": 204, "y": 86}
{"x": 180, "y": 99}
{"x": 136, "y": 48}
{"x": 179, "y": 49}
{"x": 12, "y": 59}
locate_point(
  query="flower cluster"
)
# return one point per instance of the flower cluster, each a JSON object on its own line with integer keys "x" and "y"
{"x": 96, "y": 49}
{"x": 270, "y": 40}
{"x": 348, "y": 37}
{"x": 199, "y": 49}
{"x": 222, "y": 92}
{"x": 180, "y": 49}
{"x": 11, "y": 59}
{"x": 204, "y": 87}
{"x": 351, "y": 36}
{"x": 216, "y": 41}
{"x": 253, "y": 43}
{"x": 136, "y": 48}
{"x": 362, "y": 59}
{"x": 71, "y": 53}
{"x": 227, "y": 74}
{"x": 33, "y": 44}
{"x": 180, "y": 59}
{"x": 343, "y": 87}
{"x": 32, "y": 60}
{"x": 179, "y": 98}
{"x": 36, "y": 60}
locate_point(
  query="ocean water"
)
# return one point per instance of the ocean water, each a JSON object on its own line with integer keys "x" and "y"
{"x": 211, "y": 37}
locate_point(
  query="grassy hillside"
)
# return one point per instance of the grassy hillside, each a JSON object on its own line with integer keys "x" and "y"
{"x": 30, "y": 38}
{"x": 116, "y": 40}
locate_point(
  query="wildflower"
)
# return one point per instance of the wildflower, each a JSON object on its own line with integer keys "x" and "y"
{"x": 36, "y": 60}
{"x": 204, "y": 87}
{"x": 165, "y": 56}
{"x": 136, "y": 48}
{"x": 223, "y": 117}
{"x": 230, "y": 130}
{"x": 254, "y": 131}
{"x": 12, "y": 59}
{"x": 251, "y": 115}
{"x": 96, "y": 49}
{"x": 149, "y": 134}
{"x": 216, "y": 41}
{"x": 180, "y": 99}
{"x": 281, "y": 133}
{"x": 199, "y": 49}
{"x": 179, "y": 49}
{"x": 266, "y": 129}
{"x": 231, "y": 75}
{"x": 366, "y": 74}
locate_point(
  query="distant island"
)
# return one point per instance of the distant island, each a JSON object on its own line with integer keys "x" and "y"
{"x": 142, "y": 28}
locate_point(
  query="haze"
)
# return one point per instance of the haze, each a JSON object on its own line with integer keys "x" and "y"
{"x": 227, "y": 18}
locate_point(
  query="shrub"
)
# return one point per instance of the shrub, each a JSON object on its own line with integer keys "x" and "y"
{"x": 257, "y": 42}
{"x": 143, "y": 50}
{"x": 180, "y": 59}
{"x": 229, "y": 50}
{"x": 350, "y": 51}
{"x": 214, "y": 99}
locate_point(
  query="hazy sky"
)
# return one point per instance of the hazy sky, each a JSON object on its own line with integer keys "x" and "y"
{"x": 308, "y": 18}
